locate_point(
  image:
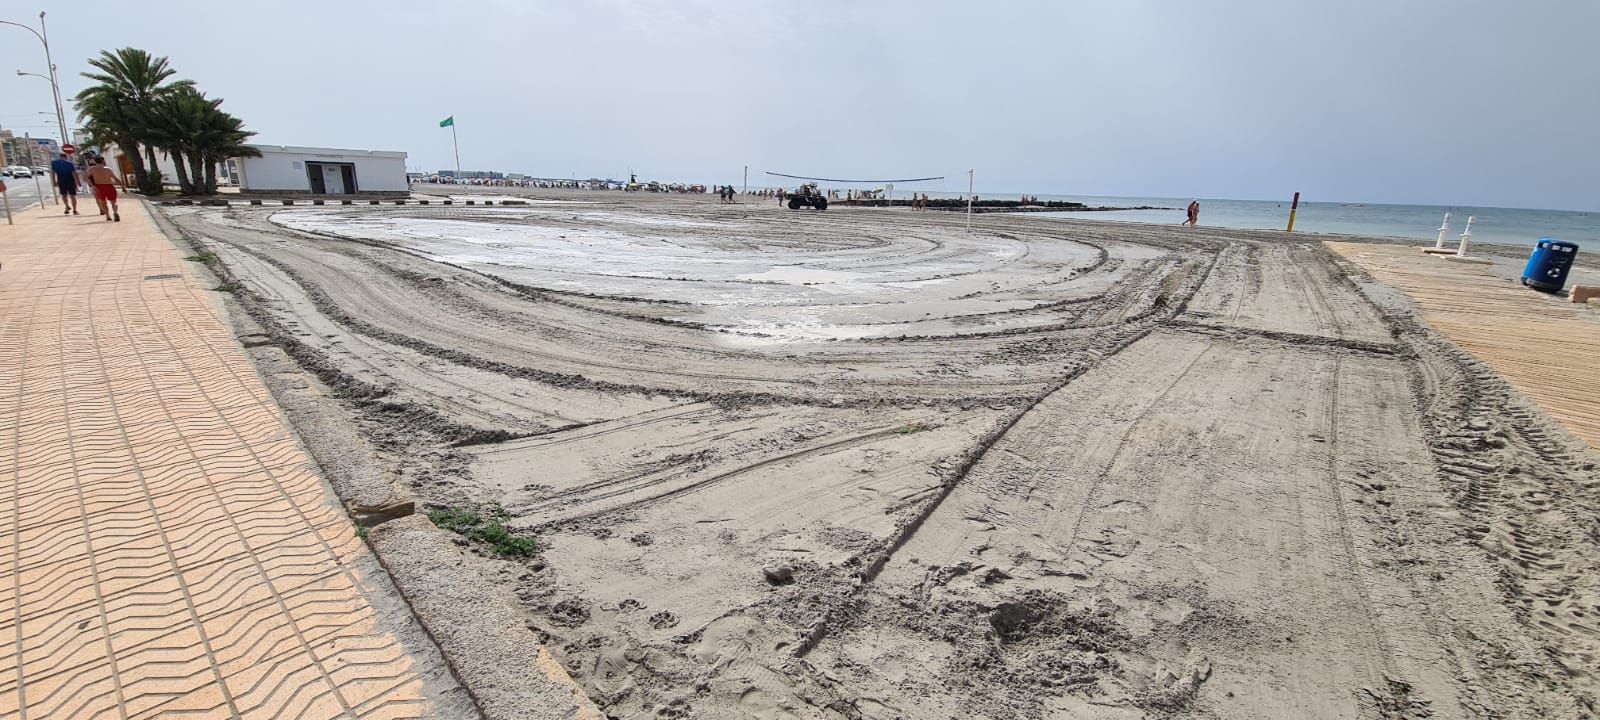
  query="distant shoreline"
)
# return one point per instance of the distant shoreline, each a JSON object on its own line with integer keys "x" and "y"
{"x": 999, "y": 206}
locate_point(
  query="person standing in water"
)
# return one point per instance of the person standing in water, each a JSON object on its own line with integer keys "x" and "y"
{"x": 1194, "y": 213}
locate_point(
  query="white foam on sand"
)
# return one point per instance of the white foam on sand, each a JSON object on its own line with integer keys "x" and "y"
{"x": 757, "y": 293}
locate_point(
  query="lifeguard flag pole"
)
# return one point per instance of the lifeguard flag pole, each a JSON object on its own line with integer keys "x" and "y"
{"x": 450, "y": 122}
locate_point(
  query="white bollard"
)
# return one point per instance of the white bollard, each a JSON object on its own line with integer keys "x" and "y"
{"x": 1443, "y": 228}
{"x": 1466, "y": 237}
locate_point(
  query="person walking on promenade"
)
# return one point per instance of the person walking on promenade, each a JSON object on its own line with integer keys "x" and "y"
{"x": 104, "y": 183}
{"x": 67, "y": 182}
{"x": 1194, "y": 213}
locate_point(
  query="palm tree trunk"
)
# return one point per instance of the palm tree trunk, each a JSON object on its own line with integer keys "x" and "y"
{"x": 131, "y": 150}
{"x": 184, "y": 186}
{"x": 152, "y": 171}
{"x": 197, "y": 175}
{"x": 211, "y": 176}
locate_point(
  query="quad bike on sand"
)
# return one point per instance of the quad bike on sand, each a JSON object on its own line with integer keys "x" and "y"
{"x": 808, "y": 195}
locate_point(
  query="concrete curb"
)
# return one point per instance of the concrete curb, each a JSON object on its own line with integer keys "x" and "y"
{"x": 509, "y": 672}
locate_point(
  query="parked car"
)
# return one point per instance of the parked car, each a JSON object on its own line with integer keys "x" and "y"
{"x": 18, "y": 171}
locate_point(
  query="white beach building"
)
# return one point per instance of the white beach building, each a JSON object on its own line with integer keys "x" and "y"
{"x": 321, "y": 171}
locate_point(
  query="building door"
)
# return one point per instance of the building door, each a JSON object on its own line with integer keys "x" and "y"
{"x": 348, "y": 174}
{"x": 333, "y": 180}
{"x": 314, "y": 174}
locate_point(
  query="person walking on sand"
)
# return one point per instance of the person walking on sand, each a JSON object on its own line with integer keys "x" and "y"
{"x": 104, "y": 183}
{"x": 67, "y": 182}
{"x": 1194, "y": 213}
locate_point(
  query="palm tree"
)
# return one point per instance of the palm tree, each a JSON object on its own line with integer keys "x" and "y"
{"x": 129, "y": 83}
{"x": 222, "y": 137}
{"x": 134, "y": 106}
{"x": 108, "y": 122}
{"x": 176, "y": 118}
{"x": 197, "y": 134}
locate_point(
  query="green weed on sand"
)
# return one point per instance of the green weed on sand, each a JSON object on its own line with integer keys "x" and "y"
{"x": 485, "y": 524}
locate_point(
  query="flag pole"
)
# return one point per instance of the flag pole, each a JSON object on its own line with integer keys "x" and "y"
{"x": 455, "y": 145}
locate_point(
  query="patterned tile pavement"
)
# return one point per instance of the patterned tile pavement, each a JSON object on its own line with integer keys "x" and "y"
{"x": 169, "y": 550}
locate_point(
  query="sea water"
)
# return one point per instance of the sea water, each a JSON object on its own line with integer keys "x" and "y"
{"x": 1512, "y": 226}
{"x": 1509, "y": 226}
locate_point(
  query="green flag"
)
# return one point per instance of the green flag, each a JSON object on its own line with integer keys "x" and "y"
{"x": 447, "y": 122}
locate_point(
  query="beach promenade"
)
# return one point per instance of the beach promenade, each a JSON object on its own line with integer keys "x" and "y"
{"x": 170, "y": 549}
{"x": 1542, "y": 344}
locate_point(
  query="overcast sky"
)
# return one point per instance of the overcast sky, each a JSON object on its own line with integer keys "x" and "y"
{"x": 1488, "y": 102}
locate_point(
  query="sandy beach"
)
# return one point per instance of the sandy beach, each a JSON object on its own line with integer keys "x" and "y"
{"x": 863, "y": 463}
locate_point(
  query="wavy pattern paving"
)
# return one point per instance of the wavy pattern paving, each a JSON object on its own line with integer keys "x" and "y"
{"x": 170, "y": 551}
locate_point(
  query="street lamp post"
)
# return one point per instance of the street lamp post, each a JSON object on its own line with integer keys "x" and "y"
{"x": 55, "y": 88}
{"x": 55, "y": 85}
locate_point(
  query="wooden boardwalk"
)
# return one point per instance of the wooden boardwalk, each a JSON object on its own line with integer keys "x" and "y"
{"x": 1546, "y": 347}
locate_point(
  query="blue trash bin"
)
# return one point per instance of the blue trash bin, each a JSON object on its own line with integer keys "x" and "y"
{"x": 1549, "y": 265}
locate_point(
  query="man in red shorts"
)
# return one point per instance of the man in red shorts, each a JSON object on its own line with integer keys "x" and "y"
{"x": 104, "y": 183}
